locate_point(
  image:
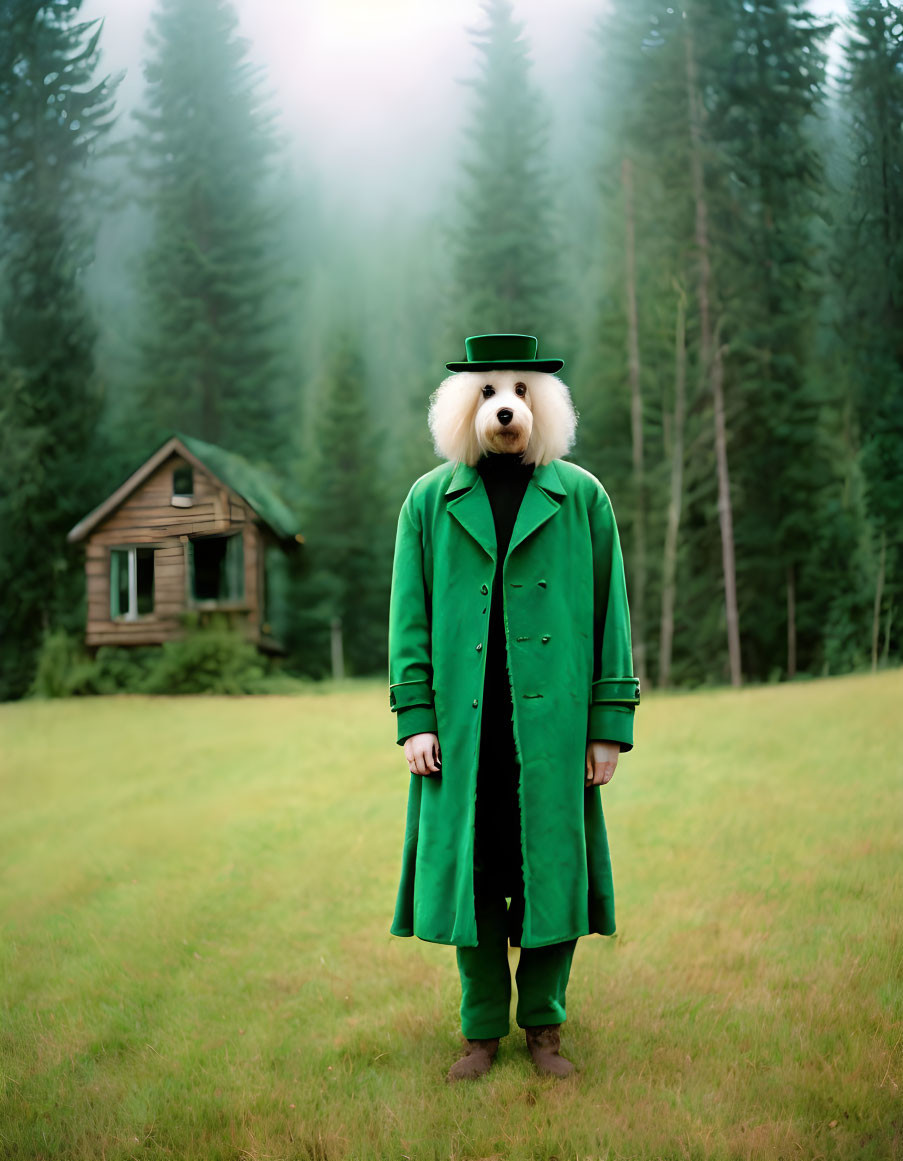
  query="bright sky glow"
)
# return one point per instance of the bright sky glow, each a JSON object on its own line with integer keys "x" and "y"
{"x": 369, "y": 87}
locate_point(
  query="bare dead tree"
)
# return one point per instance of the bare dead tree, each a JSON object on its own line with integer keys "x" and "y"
{"x": 712, "y": 363}
{"x": 675, "y": 500}
{"x": 638, "y": 577}
{"x": 879, "y": 596}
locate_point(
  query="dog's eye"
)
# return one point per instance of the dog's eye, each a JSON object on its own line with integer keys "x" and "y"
{"x": 520, "y": 389}
{"x": 488, "y": 390}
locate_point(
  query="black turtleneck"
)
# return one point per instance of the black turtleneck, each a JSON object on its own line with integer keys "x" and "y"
{"x": 505, "y": 477}
{"x": 497, "y": 836}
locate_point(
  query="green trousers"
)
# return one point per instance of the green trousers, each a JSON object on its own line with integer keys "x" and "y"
{"x": 541, "y": 976}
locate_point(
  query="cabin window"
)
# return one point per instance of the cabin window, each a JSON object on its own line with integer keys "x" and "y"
{"x": 182, "y": 486}
{"x": 131, "y": 582}
{"x": 217, "y": 568}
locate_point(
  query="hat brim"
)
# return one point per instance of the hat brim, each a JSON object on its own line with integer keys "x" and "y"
{"x": 510, "y": 365}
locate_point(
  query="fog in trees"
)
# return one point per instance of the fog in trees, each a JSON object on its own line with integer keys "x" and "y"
{"x": 271, "y": 228}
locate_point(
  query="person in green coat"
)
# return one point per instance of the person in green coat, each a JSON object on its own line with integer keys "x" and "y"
{"x": 511, "y": 676}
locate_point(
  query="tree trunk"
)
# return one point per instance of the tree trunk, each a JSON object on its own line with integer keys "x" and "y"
{"x": 675, "y": 502}
{"x": 711, "y": 357}
{"x": 888, "y": 625}
{"x": 726, "y": 520}
{"x": 791, "y": 621}
{"x": 337, "y": 655}
{"x": 638, "y": 577}
{"x": 879, "y": 594}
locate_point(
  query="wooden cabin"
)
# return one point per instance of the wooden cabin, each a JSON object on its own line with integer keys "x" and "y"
{"x": 196, "y": 527}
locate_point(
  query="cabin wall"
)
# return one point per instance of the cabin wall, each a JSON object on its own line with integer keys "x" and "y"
{"x": 147, "y": 517}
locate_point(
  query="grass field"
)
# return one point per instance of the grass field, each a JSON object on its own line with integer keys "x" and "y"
{"x": 195, "y": 896}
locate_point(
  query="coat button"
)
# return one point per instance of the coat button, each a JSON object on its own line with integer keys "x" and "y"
{"x": 484, "y": 589}
{"x": 475, "y": 703}
{"x": 541, "y": 583}
{"x": 544, "y": 639}
{"x": 479, "y": 646}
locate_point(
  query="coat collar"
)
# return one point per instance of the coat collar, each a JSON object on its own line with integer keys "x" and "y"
{"x": 469, "y": 504}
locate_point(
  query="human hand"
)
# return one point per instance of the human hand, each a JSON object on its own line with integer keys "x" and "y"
{"x": 601, "y": 760}
{"x": 422, "y": 753}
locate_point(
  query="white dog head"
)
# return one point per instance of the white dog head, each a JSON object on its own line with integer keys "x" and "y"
{"x": 527, "y": 412}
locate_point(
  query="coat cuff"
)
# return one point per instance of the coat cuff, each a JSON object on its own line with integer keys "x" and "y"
{"x": 416, "y": 719}
{"x": 407, "y": 693}
{"x": 619, "y": 689}
{"x": 611, "y": 723}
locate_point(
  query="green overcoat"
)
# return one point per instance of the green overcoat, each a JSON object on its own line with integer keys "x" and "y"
{"x": 568, "y": 632}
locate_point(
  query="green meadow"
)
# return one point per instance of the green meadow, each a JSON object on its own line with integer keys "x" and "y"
{"x": 195, "y": 896}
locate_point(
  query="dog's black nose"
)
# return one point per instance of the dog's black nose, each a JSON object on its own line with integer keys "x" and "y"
{"x": 505, "y": 416}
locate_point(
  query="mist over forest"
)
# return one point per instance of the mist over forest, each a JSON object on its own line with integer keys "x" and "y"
{"x": 269, "y": 227}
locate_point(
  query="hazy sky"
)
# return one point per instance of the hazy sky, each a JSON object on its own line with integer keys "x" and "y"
{"x": 368, "y": 86}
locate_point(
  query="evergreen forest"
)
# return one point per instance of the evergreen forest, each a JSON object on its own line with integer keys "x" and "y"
{"x": 710, "y": 235}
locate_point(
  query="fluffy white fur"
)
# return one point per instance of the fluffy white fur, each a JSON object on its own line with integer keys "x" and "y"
{"x": 464, "y": 423}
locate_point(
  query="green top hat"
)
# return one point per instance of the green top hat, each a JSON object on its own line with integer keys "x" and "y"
{"x": 517, "y": 352}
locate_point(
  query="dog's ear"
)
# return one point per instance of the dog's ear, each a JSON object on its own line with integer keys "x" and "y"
{"x": 554, "y": 417}
{"x": 453, "y": 406}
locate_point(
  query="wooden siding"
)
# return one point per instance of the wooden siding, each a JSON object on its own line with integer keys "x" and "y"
{"x": 147, "y": 518}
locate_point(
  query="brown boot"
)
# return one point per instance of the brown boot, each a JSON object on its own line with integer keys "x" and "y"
{"x": 544, "y": 1041}
{"x": 476, "y": 1061}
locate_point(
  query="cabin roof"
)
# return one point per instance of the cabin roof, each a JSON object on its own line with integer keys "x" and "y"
{"x": 253, "y": 483}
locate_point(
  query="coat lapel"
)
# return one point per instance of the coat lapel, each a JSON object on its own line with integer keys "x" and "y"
{"x": 469, "y": 504}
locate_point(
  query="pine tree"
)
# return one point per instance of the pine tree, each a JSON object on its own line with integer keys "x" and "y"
{"x": 700, "y": 357}
{"x": 760, "y": 117}
{"x": 871, "y": 315}
{"x": 504, "y": 253}
{"x": 211, "y": 353}
{"x": 637, "y": 389}
{"x": 347, "y": 527}
{"x": 53, "y": 115}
